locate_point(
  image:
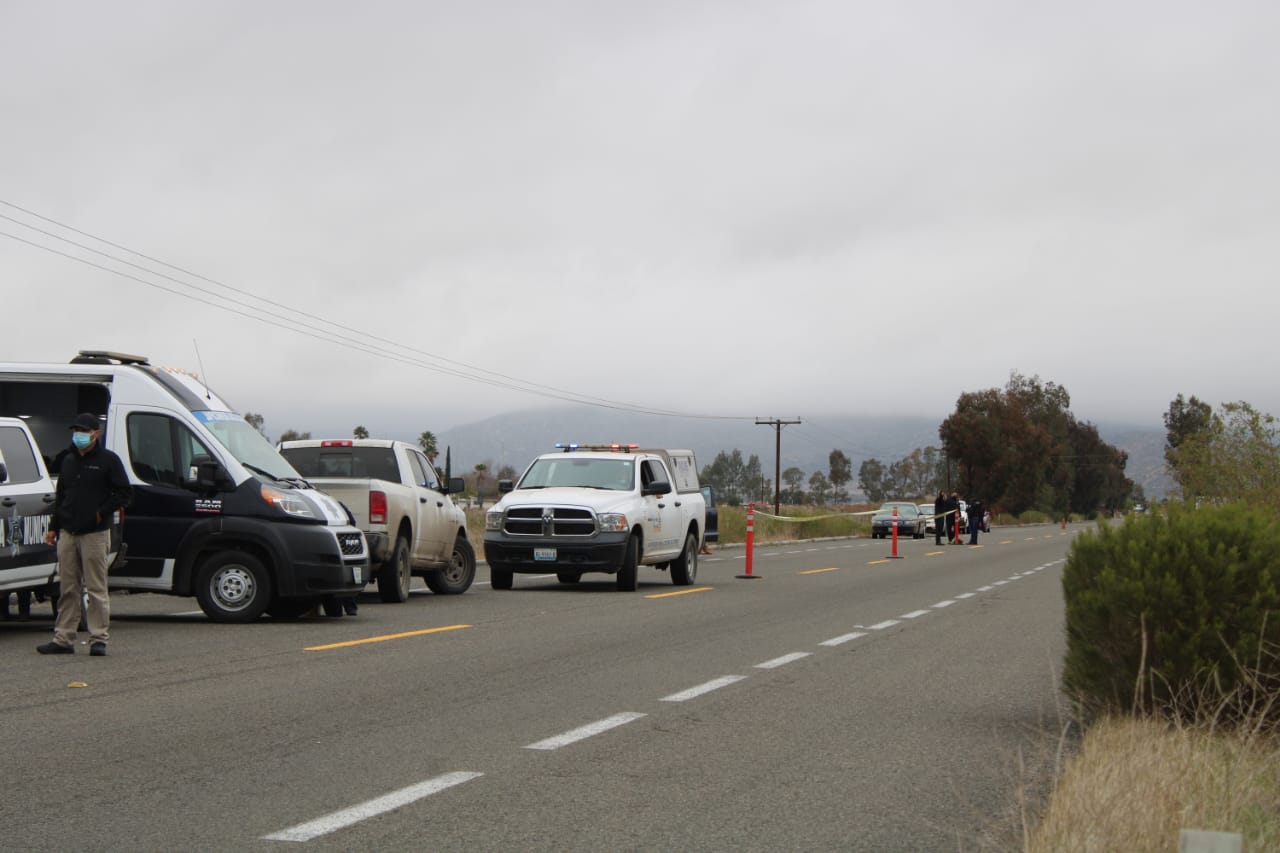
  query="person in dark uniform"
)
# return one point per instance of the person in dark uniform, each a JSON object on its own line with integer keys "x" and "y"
{"x": 953, "y": 517}
{"x": 976, "y": 510}
{"x": 92, "y": 485}
{"x": 939, "y": 517}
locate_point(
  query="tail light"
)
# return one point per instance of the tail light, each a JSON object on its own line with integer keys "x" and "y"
{"x": 377, "y": 507}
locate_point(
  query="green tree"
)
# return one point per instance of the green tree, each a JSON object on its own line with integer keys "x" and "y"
{"x": 839, "y": 473}
{"x": 793, "y": 492}
{"x": 506, "y": 472}
{"x": 360, "y": 432}
{"x": 1236, "y": 458}
{"x": 819, "y": 488}
{"x": 480, "y": 470}
{"x": 1184, "y": 420}
{"x": 427, "y": 441}
{"x": 871, "y": 479}
{"x": 294, "y": 435}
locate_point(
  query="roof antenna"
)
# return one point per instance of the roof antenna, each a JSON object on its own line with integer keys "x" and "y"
{"x": 203, "y": 378}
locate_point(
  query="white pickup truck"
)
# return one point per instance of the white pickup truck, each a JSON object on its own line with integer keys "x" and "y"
{"x": 401, "y": 503}
{"x": 606, "y": 508}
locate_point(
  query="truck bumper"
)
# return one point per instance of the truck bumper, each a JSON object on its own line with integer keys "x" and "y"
{"x": 602, "y": 553}
{"x": 379, "y": 547}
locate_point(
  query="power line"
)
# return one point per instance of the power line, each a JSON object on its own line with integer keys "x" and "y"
{"x": 459, "y": 369}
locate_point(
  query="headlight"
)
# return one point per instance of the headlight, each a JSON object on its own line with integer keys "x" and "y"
{"x": 288, "y": 503}
{"x": 614, "y": 521}
{"x": 493, "y": 521}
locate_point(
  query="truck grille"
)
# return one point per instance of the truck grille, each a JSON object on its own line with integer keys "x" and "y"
{"x": 352, "y": 544}
{"x": 549, "y": 521}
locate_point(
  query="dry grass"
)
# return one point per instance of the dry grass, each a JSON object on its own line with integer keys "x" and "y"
{"x": 1136, "y": 783}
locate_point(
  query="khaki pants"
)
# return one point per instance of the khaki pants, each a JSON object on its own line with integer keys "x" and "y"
{"x": 82, "y": 565}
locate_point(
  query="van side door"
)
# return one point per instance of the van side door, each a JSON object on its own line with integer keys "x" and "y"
{"x": 157, "y": 453}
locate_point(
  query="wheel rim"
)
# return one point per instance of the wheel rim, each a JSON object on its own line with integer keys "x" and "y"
{"x": 691, "y": 548}
{"x": 404, "y": 574}
{"x": 233, "y": 587}
{"x": 457, "y": 568}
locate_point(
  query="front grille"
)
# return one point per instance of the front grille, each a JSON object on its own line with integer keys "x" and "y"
{"x": 549, "y": 521}
{"x": 352, "y": 544}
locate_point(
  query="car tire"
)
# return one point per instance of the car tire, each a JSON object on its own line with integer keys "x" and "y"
{"x": 396, "y": 575}
{"x": 457, "y": 578}
{"x": 630, "y": 564}
{"x": 684, "y": 569}
{"x": 233, "y": 586}
{"x": 500, "y": 577}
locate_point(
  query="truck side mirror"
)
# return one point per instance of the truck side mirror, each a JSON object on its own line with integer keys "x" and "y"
{"x": 206, "y": 475}
{"x": 456, "y": 486}
{"x": 659, "y": 487}
{"x": 505, "y": 486}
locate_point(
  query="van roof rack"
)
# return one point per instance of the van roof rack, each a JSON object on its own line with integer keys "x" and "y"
{"x": 98, "y": 356}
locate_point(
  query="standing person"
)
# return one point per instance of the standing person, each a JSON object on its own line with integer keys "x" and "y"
{"x": 953, "y": 529}
{"x": 976, "y": 509}
{"x": 92, "y": 485}
{"x": 939, "y": 517}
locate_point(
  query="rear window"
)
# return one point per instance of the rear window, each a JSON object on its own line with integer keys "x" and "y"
{"x": 378, "y": 463}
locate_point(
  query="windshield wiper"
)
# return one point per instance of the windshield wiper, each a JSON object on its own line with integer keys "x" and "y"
{"x": 255, "y": 469}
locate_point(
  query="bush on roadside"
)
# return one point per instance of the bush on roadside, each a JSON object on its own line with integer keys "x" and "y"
{"x": 1176, "y": 614}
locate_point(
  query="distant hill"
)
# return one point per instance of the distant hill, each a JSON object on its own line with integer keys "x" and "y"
{"x": 517, "y": 437}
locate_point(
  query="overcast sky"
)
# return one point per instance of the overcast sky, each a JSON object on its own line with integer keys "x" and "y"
{"x": 769, "y": 209}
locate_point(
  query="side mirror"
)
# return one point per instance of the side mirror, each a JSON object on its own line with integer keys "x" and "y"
{"x": 456, "y": 486}
{"x": 205, "y": 474}
{"x": 505, "y": 486}
{"x": 4, "y": 473}
{"x": 659, "y": 487}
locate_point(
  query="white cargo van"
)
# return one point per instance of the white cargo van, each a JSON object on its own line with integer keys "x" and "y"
{"x": 217, "y": 513}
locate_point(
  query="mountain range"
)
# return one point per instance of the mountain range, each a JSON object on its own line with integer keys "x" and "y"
{"x": 515, "y": 438}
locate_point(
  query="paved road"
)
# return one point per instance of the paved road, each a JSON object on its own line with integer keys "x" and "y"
{"x": 842, "y": 701}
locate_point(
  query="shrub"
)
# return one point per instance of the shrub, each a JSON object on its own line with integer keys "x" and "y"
{"x": 1167, "y": 612}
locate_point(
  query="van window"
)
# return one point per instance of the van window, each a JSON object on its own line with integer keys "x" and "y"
{"x": 160, "y": 448}
{"x": 17, "y": 455}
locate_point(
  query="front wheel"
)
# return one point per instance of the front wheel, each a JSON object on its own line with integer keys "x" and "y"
{"x": 456, "y": 579}
{"x": 684, "y": 569}
{"x": 396, "y": 574}
{"x": 233, "y": 586}
{"x": 630, "y": 562}
{"x": 500, "y": 577}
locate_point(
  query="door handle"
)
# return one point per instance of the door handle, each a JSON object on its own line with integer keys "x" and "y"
{"x": 422, "y": 500}
{"x": 8, "y": 502}
{"x": 47, "y": 499}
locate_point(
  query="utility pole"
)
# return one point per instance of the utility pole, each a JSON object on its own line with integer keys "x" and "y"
{"x": 777, "y": 425}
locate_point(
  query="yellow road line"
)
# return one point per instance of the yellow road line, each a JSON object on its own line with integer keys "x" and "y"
{"x": 383, "y": 638}
{"x": 819, "y": 571}
{"x": 933, "y": 553}
{"x": 679, "y": 592}
{"x": 876, "y": 562}
{"x": 1006, "y": 541}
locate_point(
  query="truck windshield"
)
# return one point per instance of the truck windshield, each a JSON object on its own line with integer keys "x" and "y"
{"x": 549, "y": 472}
{"x": 246, "y": 444}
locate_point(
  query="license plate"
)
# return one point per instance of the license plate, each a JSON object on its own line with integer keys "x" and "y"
{"x": 357, "y": 574}
{"x": 544, "y": 555}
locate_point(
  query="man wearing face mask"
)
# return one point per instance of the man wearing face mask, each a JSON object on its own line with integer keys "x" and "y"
{"x": 92, "y": 485}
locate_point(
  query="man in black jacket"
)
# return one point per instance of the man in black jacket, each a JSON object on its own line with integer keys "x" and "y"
{"x": 92, "y": 485}
{"x": 976, "y": 511}
{"x": 939, "y": 517}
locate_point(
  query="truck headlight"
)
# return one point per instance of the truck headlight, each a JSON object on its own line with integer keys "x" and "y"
{"x": 493, "y": 521}
{"x": 614, "y": 522}
{"x": 288, "y": 503}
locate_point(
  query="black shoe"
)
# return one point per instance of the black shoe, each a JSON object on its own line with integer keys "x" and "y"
{"x": 350, "y": 608}
{"x": 55, "y": 648}
{"x": 98, "y": 650}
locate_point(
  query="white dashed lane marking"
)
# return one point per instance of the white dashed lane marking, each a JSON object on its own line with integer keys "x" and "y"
{"x": 780, "y": 661}
{"x": 713, "y": 684}
{"x": 843, "y": 638}
{"x": 583, "y": 732}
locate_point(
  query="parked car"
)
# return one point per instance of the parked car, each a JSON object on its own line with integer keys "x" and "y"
{"x": 911, "y": 522}
{"x": 927, "y": 511}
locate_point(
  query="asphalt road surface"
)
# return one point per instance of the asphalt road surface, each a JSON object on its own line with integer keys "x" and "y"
{"x": 840, "y": 700}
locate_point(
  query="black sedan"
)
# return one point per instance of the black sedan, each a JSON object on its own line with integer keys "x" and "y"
{"x": 911, "y": 522}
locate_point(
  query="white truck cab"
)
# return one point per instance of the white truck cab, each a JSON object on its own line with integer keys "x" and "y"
{"x": 598, "y": 508}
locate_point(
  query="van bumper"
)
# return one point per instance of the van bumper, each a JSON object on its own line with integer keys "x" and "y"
{"x": 323, "y": 561}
